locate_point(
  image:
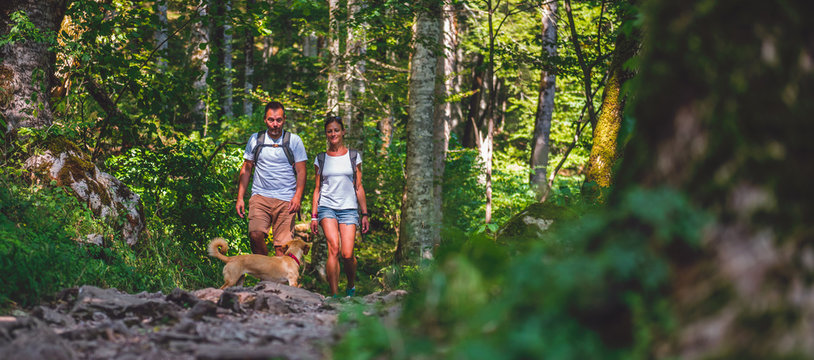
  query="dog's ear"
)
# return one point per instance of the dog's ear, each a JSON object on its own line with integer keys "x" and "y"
{"x": 285, "y": 248}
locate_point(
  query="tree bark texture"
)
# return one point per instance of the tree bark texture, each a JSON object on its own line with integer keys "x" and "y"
{"x": 200, "y": 58}
{"x": 471, "y": 137}
{"x": 416, "y": 228}
{"x": 228, "y": 100}
{"x": 27, "y": 67}
{"x": 248, "y": 70}
{"x": 161, "y": 34}
{"x": 606, "y": 150}
{"x": 333, "y": 50}
{"x": 445, "y": 70}
{"x": 541, "y": 144}
{"x": 354, "y": 73}
{"x": 723, "y": 113}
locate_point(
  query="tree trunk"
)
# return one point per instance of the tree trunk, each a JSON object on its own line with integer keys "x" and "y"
{"x": 27, "y": 67}
{"x": 443, "y": 114}
{"x": 354, "y": 71}
{"x": 723, "y": 114}
{"x": 200, "y": 58}
{"x": 228, "y": 100}
{"x": 471, "y": 137}
{"x": 487, "y": 145}
{"x": 545, "y": 104}
{"x": 605, "y": 150}
{"x": 248, "y": 54}
{"x": 333, "y": 51}
{"x": 161, "y": 34}
{"x": 416, "y": 228}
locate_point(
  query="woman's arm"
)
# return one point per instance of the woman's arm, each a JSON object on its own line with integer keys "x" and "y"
{"x": 315, "y": 201}
{"x": 360, "y": 197}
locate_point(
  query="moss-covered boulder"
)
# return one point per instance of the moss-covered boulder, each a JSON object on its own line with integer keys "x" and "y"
{"x": 533, "y": 222}
{"x": 105, "y": 195}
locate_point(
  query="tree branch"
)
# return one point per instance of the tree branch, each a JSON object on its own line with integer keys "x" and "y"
{"x": 586, "y": 72}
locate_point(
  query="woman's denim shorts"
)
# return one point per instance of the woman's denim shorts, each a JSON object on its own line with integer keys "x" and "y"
{"x": 343, "y": 216}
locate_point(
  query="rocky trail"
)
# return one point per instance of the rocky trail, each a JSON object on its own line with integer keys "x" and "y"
{"x": 268, "y": 320}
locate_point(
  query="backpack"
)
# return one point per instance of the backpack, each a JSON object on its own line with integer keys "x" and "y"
{"x": 261, "y": 139}
{"x": 352, "y": 154}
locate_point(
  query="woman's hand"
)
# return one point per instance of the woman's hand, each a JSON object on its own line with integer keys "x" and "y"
{"x": 365, "y": 224}
{"x": 314, "y": 226}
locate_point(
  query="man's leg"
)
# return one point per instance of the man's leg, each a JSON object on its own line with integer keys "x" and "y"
{"x": 259, "y": 223}
{"x": 258, "y": 242}
{"x": 282, "y": 227}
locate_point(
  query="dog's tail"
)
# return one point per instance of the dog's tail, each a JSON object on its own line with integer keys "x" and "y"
{"x": 217, "y": 248}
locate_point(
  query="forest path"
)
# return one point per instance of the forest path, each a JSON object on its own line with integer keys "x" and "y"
{"x": 266, "y": 321}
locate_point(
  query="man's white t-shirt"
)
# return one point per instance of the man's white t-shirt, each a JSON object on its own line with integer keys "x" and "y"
{"x": 336, "y": 190}
{"x": 273, "y": 176}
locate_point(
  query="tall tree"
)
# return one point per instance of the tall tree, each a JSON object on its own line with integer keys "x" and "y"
{"x": 226, "y": 29}
{"x": 333, "y": 54}
{"x": 354, "y": 84}
{"x": 27, "y": 67}
{"x": 723, "y": 113}
{"x": 606, "y": 148}
{"x": 161, "y": 33}
{"x": 199, "y": 48}
{"x": 416, "y": 228}
{"x": 444, "y": 110}
{"x": 545, "y": 103}
{"x": 248, "y": 55}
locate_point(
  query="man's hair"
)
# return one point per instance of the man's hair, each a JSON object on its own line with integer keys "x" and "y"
{"x": 274, "y": 105}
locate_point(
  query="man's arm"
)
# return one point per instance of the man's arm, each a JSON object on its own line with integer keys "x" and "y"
{"x": 242, "y": 184}
{"x": 296, "y": 201}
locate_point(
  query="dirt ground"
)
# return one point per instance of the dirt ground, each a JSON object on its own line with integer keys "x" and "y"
{"x": 266, "y": 321}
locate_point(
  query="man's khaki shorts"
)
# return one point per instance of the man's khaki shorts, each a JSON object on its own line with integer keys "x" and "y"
{"x": 265, "y": 213}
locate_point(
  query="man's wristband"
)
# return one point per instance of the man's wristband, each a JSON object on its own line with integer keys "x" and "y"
{"x": 365, "y": 214}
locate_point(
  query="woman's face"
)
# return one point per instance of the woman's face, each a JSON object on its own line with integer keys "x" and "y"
{"x": 334, "y": 133}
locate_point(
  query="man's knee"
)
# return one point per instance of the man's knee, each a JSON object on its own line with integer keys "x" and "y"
{"x": 257, "y": 235}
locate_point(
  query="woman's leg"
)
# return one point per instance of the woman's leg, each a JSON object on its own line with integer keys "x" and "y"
{"x": 348, "y": 235}
{"x": 331, "y": 229}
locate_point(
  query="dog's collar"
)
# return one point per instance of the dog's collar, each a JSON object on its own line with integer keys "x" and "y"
{"x": 294, "y": 257}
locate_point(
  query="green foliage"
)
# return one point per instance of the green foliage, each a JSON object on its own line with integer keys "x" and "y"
{"x": 603, "y": 297}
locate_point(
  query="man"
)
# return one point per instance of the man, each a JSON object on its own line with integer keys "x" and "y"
{"x": 277, "y": 186}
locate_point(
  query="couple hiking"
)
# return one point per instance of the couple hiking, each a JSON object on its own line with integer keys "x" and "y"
{"x": 278, "y": 160}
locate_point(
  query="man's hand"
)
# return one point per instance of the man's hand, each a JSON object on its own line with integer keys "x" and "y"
{"x": 293, "y": 206}
{"x": 314, "y": 226}
{"x": 240, "y": 206}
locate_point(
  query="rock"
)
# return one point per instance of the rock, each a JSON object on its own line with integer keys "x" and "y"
{"x": 533, "y": 222}
{"x": 105, "y": 195}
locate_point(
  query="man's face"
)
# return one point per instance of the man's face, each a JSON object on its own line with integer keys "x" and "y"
{"x": 275, "y": 119}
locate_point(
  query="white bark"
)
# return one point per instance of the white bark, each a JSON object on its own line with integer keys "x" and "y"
{"x": 545, "y": 105}
{"x": 228, "y": 101}
{"x": 161, "y": 34}
{"x": 333, "y": 50}
{"x": 200, "y": 35}
{"x": 415, "y": 240}
{"x": 248, "y": 71}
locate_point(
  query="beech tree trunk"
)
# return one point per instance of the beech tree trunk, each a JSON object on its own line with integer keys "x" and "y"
{"x": 228, "y": 100}
{"x": 200, "y": 58}
{"x": 354, "y": 84}
{"x": 540, "y": 140}
{"x": 333, "y": 51}
{"x": 416, "y": 228}
{"x": 248, "y": 54}
{"x": 161, "y": 34}
{"x": 27, "y": 67}
{"x": 723, "y": 114}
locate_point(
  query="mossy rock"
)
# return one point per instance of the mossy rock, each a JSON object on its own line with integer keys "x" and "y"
{"x": 533, "y": 222}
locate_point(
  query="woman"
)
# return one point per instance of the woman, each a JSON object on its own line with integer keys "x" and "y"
{"x": 338, "y": 202}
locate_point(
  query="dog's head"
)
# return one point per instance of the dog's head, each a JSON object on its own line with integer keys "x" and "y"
{"x": 295, "y": 245}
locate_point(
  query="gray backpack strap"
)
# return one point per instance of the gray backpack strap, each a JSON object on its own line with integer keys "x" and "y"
{"x": 321, "y": 165}
{"x": 261, "y": 139}
{"x": 352, "y": 155}
{"x": 289, "y": 154}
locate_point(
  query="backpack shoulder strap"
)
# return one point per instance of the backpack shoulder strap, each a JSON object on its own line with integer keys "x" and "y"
{"x": 258, "y": 144}
{"x": 352, "y": 155}
{"x": 287, "y": 148}
{"x": 321, "y": 165}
